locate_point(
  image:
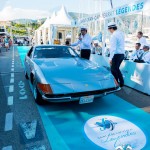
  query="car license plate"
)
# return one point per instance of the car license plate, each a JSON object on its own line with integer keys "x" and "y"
{"x": 86, "y": 99}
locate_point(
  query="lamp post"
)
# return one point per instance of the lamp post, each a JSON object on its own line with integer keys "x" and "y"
{"x": 111, "y": 3}
{"x": 142, "y": 22}
{"x": 11, "y": 33}
{"x": 95, "y": 10}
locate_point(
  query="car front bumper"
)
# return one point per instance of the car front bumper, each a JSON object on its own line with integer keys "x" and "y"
{"x": 76, "y": 96}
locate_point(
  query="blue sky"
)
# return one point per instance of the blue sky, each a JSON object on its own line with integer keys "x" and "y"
{"x": 49, "y": 5}
{"x": 45, "y": 7}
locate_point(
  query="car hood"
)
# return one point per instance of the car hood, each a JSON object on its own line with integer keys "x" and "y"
{"x": 73, "y": 74}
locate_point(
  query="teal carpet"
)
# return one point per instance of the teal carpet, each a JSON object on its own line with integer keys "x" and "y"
{"x": 66, "y": 128}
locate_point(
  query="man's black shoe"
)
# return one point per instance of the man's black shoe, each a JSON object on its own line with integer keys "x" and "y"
{"x": 121, "y": 85}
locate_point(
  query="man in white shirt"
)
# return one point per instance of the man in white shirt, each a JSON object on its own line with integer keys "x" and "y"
{"x": 97, "y": 49}
{"x": 84, "y": 41}
{"x": 137, "y": 53}
{"x": 146, "y": 54}
{"x": 117, "y": 51}
{"x": 141, "y": 39}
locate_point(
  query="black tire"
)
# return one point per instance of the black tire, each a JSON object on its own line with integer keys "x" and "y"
{"x": 37, "y": 96}
{"x": 26, "y": 76}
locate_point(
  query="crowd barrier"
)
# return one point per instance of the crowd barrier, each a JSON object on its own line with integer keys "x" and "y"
{"x": 136, "y": 75}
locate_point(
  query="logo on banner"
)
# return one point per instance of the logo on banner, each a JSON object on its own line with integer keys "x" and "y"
{"x": 110, "y": 132}
{"x": 106, "y": 124}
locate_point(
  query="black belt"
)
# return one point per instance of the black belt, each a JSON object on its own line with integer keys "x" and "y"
{"x": 86, "y": 49}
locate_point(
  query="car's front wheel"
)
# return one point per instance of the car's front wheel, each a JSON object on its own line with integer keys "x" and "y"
{"x": 26, "y": 75}
{"x": 37, "y": 95}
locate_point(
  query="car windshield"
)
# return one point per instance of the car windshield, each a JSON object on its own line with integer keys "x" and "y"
{"x": 54, "y": 52}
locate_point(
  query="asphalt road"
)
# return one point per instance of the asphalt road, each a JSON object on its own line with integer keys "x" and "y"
{"x": 57, "y": 126}
{"x": 17, "y": 104}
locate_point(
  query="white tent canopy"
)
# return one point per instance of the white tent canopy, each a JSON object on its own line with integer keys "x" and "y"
{"x": 46, "y": 23}
{"x": 62, "y": 18}
{"x": 48, "y": 30}
{"x": 53, "y": 15}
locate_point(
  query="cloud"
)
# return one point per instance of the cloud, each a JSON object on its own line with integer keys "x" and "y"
{"x": 10, "y": 13}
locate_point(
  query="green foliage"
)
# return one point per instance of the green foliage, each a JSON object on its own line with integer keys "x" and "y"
{"x": 34, "y": 26}
{"x": 19, "y": 32}
{"x": 20, "y": 25}
{"x": 23, "y": 29}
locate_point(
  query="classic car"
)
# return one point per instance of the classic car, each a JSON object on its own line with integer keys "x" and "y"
{"x": 59, "y": 74}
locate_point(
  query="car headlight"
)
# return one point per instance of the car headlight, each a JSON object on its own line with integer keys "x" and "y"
{"x": 45, "y": 88}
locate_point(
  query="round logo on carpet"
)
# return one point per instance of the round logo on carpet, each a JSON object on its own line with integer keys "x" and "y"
{"x": 110, "y": 132}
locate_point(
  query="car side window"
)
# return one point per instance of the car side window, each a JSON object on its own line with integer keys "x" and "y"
{"x": 30, "y": 52}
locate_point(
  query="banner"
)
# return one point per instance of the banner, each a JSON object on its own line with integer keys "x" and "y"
{"x": 136, "y": 75}
{"x": 92, "y": 18}
{"x": 126, "y": 9}
{"x": 119, "y": 11}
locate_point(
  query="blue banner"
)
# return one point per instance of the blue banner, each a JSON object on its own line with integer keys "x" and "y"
{"x": 126, "y": 9}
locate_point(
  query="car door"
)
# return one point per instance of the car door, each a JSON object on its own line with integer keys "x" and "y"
{"x": 28, "y": 61}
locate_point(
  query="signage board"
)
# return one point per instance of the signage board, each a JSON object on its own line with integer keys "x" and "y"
{"x": 125, "y": 10}
{"x": 111, "y": 132}
{"x": 128, "y": 9}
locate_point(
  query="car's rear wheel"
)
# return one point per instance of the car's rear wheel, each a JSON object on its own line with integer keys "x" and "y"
{"x": 37, "y": 96}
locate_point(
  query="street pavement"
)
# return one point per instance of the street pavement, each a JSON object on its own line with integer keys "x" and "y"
{"x": 17, "y": 104}
{"x": 58, "y": 126}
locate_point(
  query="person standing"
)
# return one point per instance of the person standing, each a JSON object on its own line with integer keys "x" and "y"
{"x": 6, "y": 43}
{"x": 117, "y": 51}
{"x": 10, "y": 42}
{"x": 141, "y": 39}
{"x": 42, "y": 42}
{"x": 0, "y": 44}
{"x": 97, "y": 49}
{"x": 84, "y": 41}
{"x": 67, "y": 43}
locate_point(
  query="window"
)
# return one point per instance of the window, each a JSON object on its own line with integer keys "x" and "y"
{"x": 59, "y": 35}
{"x": 2, "y": 30}
{"x": 54, "y": 52}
